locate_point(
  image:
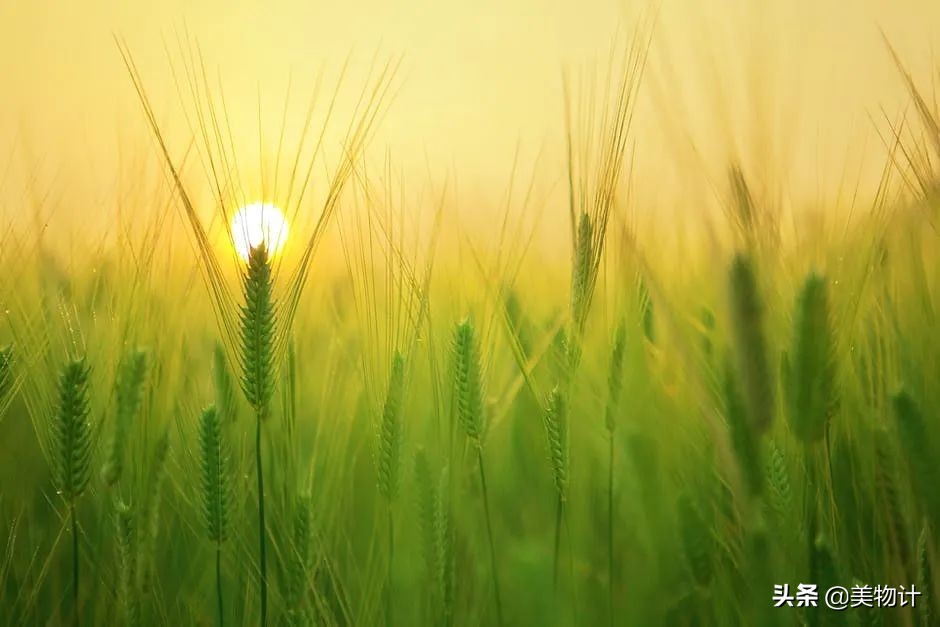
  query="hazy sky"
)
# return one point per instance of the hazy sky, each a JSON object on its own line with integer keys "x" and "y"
{"x": 776, "y": 81}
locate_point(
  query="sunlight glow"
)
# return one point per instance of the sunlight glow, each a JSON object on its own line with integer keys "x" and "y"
{"x": 258, "y": 223}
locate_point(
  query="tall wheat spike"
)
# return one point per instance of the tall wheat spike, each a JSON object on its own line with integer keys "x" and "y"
{"x": 581, "y": 270}
{"x": 468, "y": 393}
{"x": 555, "y": 419}
{"x": 556, "y": 429}
{"x": 127, "y": 392}
{"x": 71, "y": 434}
{"x": 389, "y": 450}
{"x": 388, "y": 458}
{"x": 258, "y": 332}
{"x": 258, "y": 328}
{"x": 779, "y": 490}
{"x": 750, "y": 344}
{"x": 811, "y": 367}
{"x": 127, "y": 557}
{"x": 301, "y": 561}
{"x": 216, "y": 490}
{"x": 468, "y": 381}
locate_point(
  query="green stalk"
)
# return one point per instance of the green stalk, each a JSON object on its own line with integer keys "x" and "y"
{"x": 218, "y": 583}
{"x": 75, "y": 560}
{"x": 258, "y": 330}
{"x": 489, "y": 533}
{"x": 468, "y": 392}
{"x": 262, "y": 549}
{"x": 559, "y": 517}
{"x": 391, "y": 561}
{"x": 614, "y": 387}
{"x": 556, "y": 429}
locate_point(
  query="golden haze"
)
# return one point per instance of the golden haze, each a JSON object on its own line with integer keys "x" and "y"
{"x": 788, "y": 87}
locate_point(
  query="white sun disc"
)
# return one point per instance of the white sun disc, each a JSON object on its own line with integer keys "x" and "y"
{"x": 258, "y": 223}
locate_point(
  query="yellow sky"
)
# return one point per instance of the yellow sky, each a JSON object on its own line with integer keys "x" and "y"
{"x": 789, "y": 83}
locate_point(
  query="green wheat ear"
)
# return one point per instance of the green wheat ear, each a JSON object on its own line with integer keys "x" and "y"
{"x": 127, "y": 391}
{"x": 811, "y": 365}
{"x": 468, "y": 390}
{"x": 581, "y": 272}
{"x": 71, "y": 432}
{"x": 216, "y": 490}
{"x": 780, "y": 492}
{"x": 257, "y": 332}
{"x": 127, "y": 562}
{"x": 258, "y": 328}
{"x": 747, "y": 317}
{"x": 468, "y": 381}
{"x": 390, "y": 430}
{"x": 301, "y": 561}
{"x": 556, "y": 430}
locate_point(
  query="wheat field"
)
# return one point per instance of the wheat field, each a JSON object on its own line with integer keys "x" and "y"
{"x": 295, "y": 383}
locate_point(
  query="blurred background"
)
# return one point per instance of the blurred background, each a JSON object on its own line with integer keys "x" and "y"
{"x": 792, "y": 89}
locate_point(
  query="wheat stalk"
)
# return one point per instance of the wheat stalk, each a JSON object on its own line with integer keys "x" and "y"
{"x": 127, "y": 538}
{"x": 468, "y": 392}
{"x": 71, "y": 434}
{"x": 216, "y": 490}
{"x": 258, "y": 327}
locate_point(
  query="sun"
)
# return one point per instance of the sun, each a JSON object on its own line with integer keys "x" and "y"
{"x": 258, "y": 223}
